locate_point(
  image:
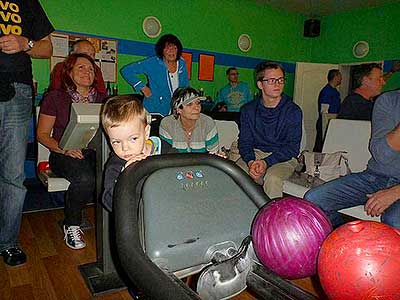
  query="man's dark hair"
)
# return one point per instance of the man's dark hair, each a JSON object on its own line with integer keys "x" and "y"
{"x": 168, "y": 39}
{"x": 267, "y": 65}
{"x": 230, "y": 69}
{"x": 332, "y": 73}
{"x": 364, "y": 70}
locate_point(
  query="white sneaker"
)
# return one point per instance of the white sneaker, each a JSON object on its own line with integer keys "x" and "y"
{"x": 73, "y": 237}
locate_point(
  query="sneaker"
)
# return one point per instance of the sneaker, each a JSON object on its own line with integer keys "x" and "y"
{"x": 14, "y": 256}
{"x": 73, "y": 237}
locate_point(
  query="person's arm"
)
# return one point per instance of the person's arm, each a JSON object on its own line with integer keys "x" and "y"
{"x": 246, "y": 138}
{"x": 378, "y": 202}
{"x": 248, "y": 94}
{"x": 43, "y": 133}
{"x": 292, "y": 140}
{"x": 212, "y": 143}
{"x": 12, "y": 43}
{"x": 164, "y": 133}
{"x": 55, "y": 77}
{"x": 132, "y": 70}
{"x": 111, "y": 173}
{"x": 185, "y": 77}
{"x": 384, "y": 142}
{"x": 393, "y": 138}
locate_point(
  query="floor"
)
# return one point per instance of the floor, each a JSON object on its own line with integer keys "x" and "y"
{"x": 51, "y": 271}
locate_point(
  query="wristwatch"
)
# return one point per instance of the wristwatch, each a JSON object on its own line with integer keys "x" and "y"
{"x": 30, "y": 45}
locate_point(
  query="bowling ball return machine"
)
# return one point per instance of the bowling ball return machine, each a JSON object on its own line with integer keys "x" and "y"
{"x": 182, "y": 214}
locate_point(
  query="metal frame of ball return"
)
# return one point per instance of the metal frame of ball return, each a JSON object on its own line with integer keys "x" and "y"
{"x": 183, "y": 185}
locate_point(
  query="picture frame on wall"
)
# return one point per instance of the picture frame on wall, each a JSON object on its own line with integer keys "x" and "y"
{"x": 206, "y": 67}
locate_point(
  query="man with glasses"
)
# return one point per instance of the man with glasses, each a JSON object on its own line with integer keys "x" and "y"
{"x": 236, "y": 93}
{"x": 270, "y": 131}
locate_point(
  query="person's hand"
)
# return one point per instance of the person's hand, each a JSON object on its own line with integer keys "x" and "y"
{"x": 257, "y": 169}
{"x": 12, "y": 43}
{"x": 75, "y": 153}
{"x": 135, "y": 158}
{"x": 378, "y": 202}
{"x": 146, "y": 91}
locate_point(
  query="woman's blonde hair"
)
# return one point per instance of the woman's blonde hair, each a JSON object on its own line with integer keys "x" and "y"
{"x": 120, "y": 109}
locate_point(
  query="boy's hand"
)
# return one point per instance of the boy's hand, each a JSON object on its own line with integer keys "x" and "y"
{"x": 135, "y": 158}
{"x": 75, "y": 153}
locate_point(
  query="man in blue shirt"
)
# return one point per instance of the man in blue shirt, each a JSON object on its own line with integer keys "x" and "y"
{"x": 328, "y": 101}
{"x": 270, "y": 132}
{"x": 236, "y": 93}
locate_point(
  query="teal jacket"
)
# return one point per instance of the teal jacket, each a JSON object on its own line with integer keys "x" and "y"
{"x": 158, "y": 81}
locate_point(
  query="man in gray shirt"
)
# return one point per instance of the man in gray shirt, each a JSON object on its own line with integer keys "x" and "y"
{"x": 378, "y": 187}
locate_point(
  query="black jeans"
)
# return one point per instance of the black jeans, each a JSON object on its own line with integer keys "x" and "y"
{"x": 81, "y": 174}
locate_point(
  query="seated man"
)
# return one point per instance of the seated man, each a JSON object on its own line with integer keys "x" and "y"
{"x": 80, "y": 46}
{"x": 235, "y": 94}
{"x": 369, "y": 83}
{"x": 378, "y": 187}
{"x": 270, "y": 131}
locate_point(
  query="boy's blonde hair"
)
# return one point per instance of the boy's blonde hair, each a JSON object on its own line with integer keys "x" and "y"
{"x": 120, "y": 109}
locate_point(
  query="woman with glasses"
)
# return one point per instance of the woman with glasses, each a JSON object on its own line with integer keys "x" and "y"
{"x": 270, "y": 132}
{"x": 165, "y": 73}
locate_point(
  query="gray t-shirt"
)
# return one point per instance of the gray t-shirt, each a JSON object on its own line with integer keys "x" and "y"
{"x": 385, "y": 117}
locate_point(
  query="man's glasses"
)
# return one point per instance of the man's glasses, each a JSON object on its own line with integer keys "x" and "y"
{"x": 271, "y": 81}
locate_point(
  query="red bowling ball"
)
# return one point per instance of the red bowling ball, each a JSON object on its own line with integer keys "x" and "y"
{"x": 287, "y": 235}
{"x": 361, "y": 260}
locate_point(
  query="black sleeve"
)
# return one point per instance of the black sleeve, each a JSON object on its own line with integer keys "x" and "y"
{"x": 41, "y": 26}
{"x": 112, "y": 170}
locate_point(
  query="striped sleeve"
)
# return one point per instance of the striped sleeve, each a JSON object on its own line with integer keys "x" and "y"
{"x": 212, "y": 143}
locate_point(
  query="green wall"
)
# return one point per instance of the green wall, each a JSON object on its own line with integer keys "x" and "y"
{"x": 380, "y": 27}
{"x": 202, "y": 25}
{"x": 215, "y": 26}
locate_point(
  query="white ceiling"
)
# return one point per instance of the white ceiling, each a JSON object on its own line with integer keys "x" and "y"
{"x": 314, "y": 8}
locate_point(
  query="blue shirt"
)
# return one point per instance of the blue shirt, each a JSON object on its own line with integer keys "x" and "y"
{"x": 329, "y": 95}
{"x": 235, "y": 97}
{"x": 277, "y": 130}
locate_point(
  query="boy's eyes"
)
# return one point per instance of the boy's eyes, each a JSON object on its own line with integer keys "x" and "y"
{"x": 132, "y": 139}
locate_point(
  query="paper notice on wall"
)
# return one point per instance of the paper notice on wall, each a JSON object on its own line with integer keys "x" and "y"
{"x": 60, "y": 45}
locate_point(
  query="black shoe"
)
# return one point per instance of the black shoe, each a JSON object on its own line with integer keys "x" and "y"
{"x": 14, "y": 256}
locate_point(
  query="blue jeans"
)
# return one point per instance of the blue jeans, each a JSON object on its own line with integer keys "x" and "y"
{"x": 352, "y": 190}
{"x": 15, "y": 116}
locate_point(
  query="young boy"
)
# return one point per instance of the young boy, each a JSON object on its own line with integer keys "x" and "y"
{"x": 125, "y": 122}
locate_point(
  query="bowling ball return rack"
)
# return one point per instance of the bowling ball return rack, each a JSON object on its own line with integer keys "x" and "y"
{"x": 182, "y": 214}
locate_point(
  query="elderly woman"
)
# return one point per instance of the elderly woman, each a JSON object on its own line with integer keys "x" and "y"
{"x": 188, "y": 130}
{"x": 165, "y": 73}
{"x": 76, "y": 165}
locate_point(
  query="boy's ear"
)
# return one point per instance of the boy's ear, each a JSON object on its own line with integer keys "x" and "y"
{"x": 147, "y": 131}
